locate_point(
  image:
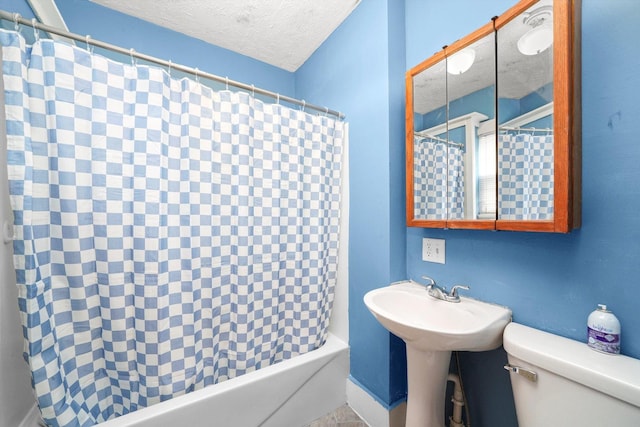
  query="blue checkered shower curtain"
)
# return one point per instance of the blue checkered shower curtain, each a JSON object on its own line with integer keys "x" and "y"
{"x": 525, "y": 176}
{"x": 168, "y": 236}
{"x": 438, "y": 172}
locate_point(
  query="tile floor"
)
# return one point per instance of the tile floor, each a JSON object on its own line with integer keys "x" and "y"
{"x": 341, "y": 417}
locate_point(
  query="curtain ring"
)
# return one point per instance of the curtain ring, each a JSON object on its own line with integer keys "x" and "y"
{"x": 278, "y": 98}
{"x": 304, "y": 104}
{"x": 16, "y": 24}
{"x": 326, "y": 111}
{"x": 169, "y": 70}
{"x": 197, "y": 75}
{"x": 226, "y": 82}
{"x": 36, "y": 33}
{"x": 87, "y": 40}
{"x": 253, "y": 90}
{"x": 131, "y": 52}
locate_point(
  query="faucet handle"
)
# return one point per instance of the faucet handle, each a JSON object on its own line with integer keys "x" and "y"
{"x": 454, "y": 290}
{"x": 433, "y": 282}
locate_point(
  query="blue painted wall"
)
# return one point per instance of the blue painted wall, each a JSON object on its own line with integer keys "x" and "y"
{"x": 360, "y": 70}
{"x": 16, "y": 6}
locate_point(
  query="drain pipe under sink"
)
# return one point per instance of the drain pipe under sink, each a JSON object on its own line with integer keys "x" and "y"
{"x": 458, "y": 402}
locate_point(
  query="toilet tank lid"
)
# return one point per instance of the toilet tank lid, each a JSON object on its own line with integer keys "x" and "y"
{"x": 615, "y": 375}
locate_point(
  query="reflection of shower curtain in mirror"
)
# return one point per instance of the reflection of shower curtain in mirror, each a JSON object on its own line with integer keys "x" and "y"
{"x": 438, "y": 171}
{"x": 525, "y": 177}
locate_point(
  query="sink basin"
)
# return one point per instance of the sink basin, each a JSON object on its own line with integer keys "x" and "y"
{"x": 432, "y": 329}
{"x": 406, "y": 310}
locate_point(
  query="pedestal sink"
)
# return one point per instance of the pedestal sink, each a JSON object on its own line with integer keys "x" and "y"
{"x": 432, "y": 329}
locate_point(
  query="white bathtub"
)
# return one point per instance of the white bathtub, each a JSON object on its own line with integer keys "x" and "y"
{"x": 291, "y": 393}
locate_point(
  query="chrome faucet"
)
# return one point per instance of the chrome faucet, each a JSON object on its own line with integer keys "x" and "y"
{"x": 440, "y": 292}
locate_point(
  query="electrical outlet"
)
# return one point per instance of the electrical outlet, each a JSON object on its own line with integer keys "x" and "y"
{"x": 433, "y": 250}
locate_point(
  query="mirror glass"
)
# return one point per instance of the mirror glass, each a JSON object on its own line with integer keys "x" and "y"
{"x": 525, "y": 115}
{"x": 430, "y": 156}
{"x": 471, "y": 109}
{"x": 453, "y": 110}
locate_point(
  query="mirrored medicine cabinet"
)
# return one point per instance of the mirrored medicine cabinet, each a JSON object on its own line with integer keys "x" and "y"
{"x": 493, "y": 125}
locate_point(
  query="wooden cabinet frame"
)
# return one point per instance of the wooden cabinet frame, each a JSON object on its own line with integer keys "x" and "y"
{"x": 566, "y": 117}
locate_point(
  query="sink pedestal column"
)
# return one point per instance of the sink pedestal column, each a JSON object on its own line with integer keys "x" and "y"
{"x": 427, "y": 373}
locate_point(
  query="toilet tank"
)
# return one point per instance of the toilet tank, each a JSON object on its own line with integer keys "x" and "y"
{"x": 574, "y": 385}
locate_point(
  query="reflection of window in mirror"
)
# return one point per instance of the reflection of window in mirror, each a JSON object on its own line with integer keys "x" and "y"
{"x": 486, "y": 172}
{"x": 455, "y": 177}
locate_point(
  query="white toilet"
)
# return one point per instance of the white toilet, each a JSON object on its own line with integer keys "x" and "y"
{"x": 560, "y": 382}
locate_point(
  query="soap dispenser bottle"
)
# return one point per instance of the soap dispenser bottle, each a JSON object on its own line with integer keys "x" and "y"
{"x": 603, "y": 331}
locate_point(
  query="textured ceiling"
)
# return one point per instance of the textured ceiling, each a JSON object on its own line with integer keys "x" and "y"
{"x": 284, "y": 33}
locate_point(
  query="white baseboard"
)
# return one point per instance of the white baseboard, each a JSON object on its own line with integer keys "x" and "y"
{"x": 371, "y": 411}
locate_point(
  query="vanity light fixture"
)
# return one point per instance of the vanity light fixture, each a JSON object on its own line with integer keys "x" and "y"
{"x": 540, "y": 36}
{"x": 461, "y": 61}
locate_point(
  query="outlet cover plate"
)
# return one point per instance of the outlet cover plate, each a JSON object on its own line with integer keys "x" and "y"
{"x": 433, "y": 250}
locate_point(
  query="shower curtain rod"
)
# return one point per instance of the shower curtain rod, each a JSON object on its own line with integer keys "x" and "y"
{"x": 17, "y": 19}
{"x": 424, "y": 136}
{"x": 511, "y": 129}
